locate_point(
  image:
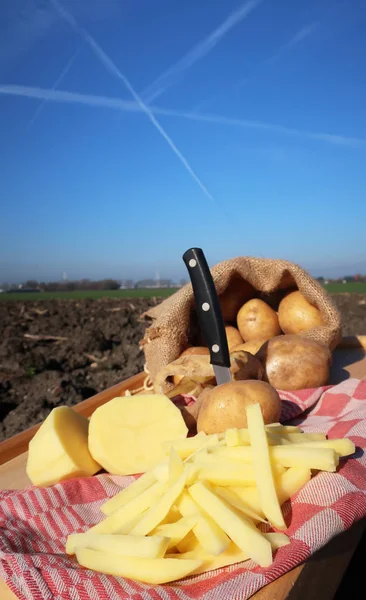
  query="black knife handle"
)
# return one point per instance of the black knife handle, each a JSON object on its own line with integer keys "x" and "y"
{"x": 207, "y": 306}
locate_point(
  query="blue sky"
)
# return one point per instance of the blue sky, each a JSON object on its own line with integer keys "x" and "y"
{"x": 131, "y": 130}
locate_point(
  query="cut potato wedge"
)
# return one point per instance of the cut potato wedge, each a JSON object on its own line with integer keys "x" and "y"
{"x": 59, "y": 450}
{"x": 148, "y": 570}
{"x": 126, "y": 434}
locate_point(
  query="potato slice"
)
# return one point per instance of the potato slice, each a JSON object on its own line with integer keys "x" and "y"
{"x": 176, "y": 531}
{"x": 59, "y": 450}
{"x": 120, "y": 520}
{"x": 126, "y": 434}
{"x": 210, "y": 536}
{"x": 129, "y": 493}
{"x": 242, "y": 532}
{"x": 262, "y": 467}
{"x": 148, "y": 570}
{"x": 159, "y": 511}
{"x": 126, "y": 545}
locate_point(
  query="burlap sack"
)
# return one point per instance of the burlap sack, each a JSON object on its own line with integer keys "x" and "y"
{"x": 175, "y": 325}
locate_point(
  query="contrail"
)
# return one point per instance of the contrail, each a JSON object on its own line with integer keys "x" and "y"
{"x": 55, "y": 85}
{"x": 298, "y": 37}
{"x": 133, "y": 107}
{"x": 112, "y": 68}
{"x": 164, "y": 81}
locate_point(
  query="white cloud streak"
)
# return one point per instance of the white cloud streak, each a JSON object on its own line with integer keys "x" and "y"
{"x": 110, "y": 66}
{"x": 63, "y": 74}
{"x": 59, "y": 96}
{"x": 198, "y": 52}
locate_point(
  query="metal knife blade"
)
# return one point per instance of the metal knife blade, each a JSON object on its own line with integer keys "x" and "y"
{"x": 209, "y": 313}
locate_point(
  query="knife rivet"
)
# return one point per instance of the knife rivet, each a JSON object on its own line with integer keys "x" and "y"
{"x": 205, "y": 306}
{"x": 192, "y": 262}
{"x": 215, "y": 348}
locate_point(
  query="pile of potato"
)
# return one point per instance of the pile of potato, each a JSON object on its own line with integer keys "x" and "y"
{"x": 283, "y": 357}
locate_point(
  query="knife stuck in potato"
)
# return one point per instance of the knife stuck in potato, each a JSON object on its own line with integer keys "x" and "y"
{"x": 209, "y": 313}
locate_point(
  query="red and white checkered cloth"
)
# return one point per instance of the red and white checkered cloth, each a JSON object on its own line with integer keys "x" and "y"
{"x": 35, "y": 522}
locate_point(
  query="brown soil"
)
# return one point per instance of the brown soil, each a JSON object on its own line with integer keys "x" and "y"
{"x": 101, "y": 348}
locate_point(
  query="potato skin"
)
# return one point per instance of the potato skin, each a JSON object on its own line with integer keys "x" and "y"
{"x": 233, "y": 337}
{"x": 293, "y": 362}
{"x": 223, "y": 407}
{"x": 256, "y": 320}
{"x": 296, "y": 314}
{"x": 188, "y": 352}
{"x": 252, "y": 347}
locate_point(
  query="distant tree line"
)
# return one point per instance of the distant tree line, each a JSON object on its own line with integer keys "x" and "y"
{"x": 347, "y": 278}
{"x": 69, "y": 286}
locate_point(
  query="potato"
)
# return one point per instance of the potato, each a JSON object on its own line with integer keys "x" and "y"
{"x": 233, "y": 337}
{"x": 148, "y": 570}
{"x": 293, "y": 362}
{"x": 253, "y": 346}
{"x": 197, "y": 350}
{"x": 263, "y": 468}
{"x": 59, "y": 449}
{"x": 126, "y": 434}
{"x": 256, "y": 320}
{"x": 234, "y": 297}
{"x": 223, "y": 407}
{"x": 238, "y": 529}
{"x": 296, "y": 314}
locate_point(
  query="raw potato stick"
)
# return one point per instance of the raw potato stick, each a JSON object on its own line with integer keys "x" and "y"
{"x": 159, "y": 511}
{"x": 323, "y": 459}
{"x": 210, "y": 536}
{"x": 245, "y": 535}
{"x": 176, "y": 532}
{"x": 126, "y": 545}
{"x": 287, "y": 485}
{"x": 343, "y": 447}
{"x": 262, "y": 467}
{"x": 120, "y": 520}
{"x": 129, "y": 493}
{"x": 148, "y": 570}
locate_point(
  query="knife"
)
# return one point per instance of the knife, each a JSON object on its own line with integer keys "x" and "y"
{"x": 209, "y": 313}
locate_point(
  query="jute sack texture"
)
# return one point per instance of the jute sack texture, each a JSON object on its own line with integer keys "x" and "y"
{"x": 174, "y": 322}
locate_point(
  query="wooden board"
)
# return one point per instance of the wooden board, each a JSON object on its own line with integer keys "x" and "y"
{"x": 318, "y": 577}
